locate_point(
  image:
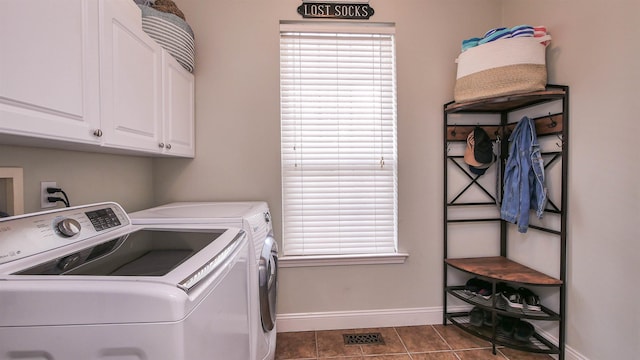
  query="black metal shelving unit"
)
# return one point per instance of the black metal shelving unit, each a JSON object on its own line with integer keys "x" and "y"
{"x": 497, "y": 269}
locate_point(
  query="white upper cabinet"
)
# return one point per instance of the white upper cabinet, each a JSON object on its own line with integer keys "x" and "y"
{"x": 131, "y": 80}
{"x": 49, "y": 71}
{"x": 178, "y": 112}
{"x": 84, "y": 72}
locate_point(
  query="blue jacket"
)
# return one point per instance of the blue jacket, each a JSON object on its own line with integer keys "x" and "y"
{"x": 524, "y": 184}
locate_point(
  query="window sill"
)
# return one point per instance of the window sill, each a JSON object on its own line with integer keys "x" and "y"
{"x": 336, "y": 260}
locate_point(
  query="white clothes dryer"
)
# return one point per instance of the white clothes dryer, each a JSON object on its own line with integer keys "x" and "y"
{"x": 253, "y": 217}
{"x": 83, "y": 283}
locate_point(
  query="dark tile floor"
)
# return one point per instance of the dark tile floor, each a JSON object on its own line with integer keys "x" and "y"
{"x": 429, "y": 342}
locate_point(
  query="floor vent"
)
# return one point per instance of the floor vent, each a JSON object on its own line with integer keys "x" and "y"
{"x": 363, "y": 339}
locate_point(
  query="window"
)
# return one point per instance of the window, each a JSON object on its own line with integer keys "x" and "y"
{"x": 338, "y": 124}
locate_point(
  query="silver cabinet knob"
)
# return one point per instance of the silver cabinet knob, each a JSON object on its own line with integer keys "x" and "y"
{"x": 168, "y": 146}
{"x": 161, "y": 145}
{"x": 97, "y": 133}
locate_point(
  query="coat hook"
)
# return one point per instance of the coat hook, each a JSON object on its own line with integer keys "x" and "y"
{"x": 453, "y": 132}
{"x": 552, "y": 123}
{"x": 561, "y": 141}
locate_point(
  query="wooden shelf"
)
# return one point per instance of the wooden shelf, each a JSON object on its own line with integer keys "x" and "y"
{"x": 507, "y": 102}
{"x": 503, "y": 269}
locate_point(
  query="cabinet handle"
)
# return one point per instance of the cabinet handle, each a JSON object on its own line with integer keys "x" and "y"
{"x": 168, "y": 146}
{"x": 161, "y": 145}
{"x": 97, "y": 133}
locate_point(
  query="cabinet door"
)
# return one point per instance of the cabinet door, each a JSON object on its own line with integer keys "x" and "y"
{"x": 49, "y": 69}
{"x": 131, "y": 79}
{"x": 178, "y": 87}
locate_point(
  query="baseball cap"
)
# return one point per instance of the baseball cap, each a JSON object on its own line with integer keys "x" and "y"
{"x": 479, "y": 152}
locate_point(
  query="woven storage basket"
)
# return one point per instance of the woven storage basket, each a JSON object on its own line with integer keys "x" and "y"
{"x": 502, "y": 67}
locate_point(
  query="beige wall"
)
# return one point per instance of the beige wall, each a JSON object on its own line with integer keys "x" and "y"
{"x": 238, "y": 138}
{"x": 595, "y": 50}
{"x": 85, "y": 177}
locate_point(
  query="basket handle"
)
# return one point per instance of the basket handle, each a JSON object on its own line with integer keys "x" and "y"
{"x": 544, "y": 40}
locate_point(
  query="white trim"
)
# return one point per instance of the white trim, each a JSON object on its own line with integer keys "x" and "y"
{"x": 338, "y": 26}
{"x": 333, "y": 260}
{"x": 360, "y": 319}
{"x": 569, "y": 353}
{"x": 14, "y": 186}
{"x": 338, "y": 142}
{"x": 335, "y": 320}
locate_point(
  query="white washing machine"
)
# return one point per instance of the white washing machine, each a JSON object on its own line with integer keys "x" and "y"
{"x": 84, "y": 283}
{"x": 254, "y": 217}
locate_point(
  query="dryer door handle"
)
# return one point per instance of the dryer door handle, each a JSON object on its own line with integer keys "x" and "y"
{"x": 268, "y": 283}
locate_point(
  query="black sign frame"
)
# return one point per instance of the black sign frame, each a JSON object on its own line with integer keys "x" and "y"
{"x": 332, "y": 10}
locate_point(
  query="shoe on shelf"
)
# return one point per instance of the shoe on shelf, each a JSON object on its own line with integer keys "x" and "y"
{"x": 530, "y": 300}
{"x": 488, "y": 318}
{"x": 512, "y": 298}
{"x": 501, "y": 287}
{"x": 507, "y": 324}
{"x": 523, "y": 330}
{"x": 479, "y": 287}
{"x": 474, "y": 285}
{"x": 476, "y": 316}
{"x": 485, "y": 293}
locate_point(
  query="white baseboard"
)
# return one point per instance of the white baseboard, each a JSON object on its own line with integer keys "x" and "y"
{"x": 360, "y": 319}
{"x": 336, "y": 320}
{"x": 569, "y": 352}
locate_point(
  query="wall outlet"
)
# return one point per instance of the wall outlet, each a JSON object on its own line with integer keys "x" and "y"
{"x": 44, "y": 203}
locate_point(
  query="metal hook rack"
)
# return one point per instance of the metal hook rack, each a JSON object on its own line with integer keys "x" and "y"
{"x": 549, "y": 126}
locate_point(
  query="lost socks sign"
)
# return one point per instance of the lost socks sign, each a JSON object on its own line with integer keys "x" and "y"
{"x": 359, "y": 11}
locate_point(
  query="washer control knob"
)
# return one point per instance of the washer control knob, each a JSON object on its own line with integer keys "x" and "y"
{"x": 68, "y": 227}
{"x": 69, "y": 262}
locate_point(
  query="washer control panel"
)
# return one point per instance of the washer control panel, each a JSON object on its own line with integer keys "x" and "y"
{"x": 25, "y": 235}
{"x": 103, "y": 219}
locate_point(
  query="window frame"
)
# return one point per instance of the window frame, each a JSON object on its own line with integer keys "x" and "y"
{"x": 352, "y": 258}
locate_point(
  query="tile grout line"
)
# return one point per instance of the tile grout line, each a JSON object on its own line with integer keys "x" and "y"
{"x": 446, "y": 342}
{"x": 503, "y": 354}
{"x": 478, "y": 348}
{"x": 442, "y": 337}
{"x": 402, "y": 342}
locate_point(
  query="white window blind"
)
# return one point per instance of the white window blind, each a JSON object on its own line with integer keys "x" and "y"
{"x": 338, "y": 124}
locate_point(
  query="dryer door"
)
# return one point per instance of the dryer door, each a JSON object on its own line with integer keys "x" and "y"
{"x": 268, "y": 283}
